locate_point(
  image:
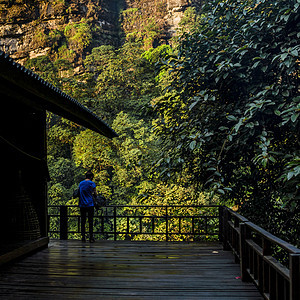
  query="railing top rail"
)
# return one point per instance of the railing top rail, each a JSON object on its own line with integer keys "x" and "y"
{"x": 150, "y": 206}
{"x": 238, "y": 216}
{"x": 265, "y": 234}
{"x": 272, "y": 238}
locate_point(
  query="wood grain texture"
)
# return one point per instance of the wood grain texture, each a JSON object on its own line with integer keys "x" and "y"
{"x": 127, "y": 270}
{"x": 15, "y": 251}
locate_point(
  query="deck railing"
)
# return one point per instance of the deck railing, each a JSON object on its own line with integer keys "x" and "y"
{"x": 138, "y": 222}
{"x": 255, "y": 249}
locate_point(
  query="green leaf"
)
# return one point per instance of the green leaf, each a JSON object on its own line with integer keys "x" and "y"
{"x": 211, "y": 169}
{"x": 192, "y": 145}
{"x": 222, "y": 128}
{"x": 295, "y": 52}
{"x": 250, "y": 125}
{"x": 277, "y": 112}
{"x": 284, "y": 56}
{"x": 272, "y": 159}
{"x": 290, "y": 175}
{"x": 193, "y": 104}
{"x": 285, "y": 93}
{"x": 288, "y": 62}
{"x": 221, "y": 191}
{"x": 294, "y": 117}
{"x": 231, "y": 118}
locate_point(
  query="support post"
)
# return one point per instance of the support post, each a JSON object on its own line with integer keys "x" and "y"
{"x": 244, "y": 235}
{"x": 193, "y": 227}
{"x": 115, "y": 223}
{"x": 141, "y": 224}
{"x": 221, "y": 225}
{"x": 225, "y": 230}
{"x": 63, "y": 222}
{"x": 294, "y": 276}
{"x": 267, "y": 250}
{"x": 153, "y": 225}
{"x": 167, "y": 225}
{"x": 127, "y": 225}
{"x": 102, "y": 224}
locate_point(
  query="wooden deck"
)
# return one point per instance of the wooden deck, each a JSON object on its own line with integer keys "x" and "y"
{"x": 127, "y": 270}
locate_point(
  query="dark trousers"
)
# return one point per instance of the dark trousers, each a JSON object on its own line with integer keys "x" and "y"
{"x": 90, "y": 212}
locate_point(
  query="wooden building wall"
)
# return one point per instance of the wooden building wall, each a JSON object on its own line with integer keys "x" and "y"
{"x": 23, "y": 200}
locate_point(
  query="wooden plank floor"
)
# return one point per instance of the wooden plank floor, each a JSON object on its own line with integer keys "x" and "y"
{"x": 127, "y": 270}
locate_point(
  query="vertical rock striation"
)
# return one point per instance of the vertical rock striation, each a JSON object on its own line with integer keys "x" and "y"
{"x": 70, "y": 29}
{"x": 29, "y": 29}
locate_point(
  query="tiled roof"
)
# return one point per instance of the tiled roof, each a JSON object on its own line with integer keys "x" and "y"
{"x": 17, "y": 81}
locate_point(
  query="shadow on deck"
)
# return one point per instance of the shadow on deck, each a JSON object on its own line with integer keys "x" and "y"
{"x": 128, "y": 270}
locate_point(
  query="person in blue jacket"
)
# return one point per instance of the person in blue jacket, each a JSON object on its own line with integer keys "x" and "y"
{"x": 87, "y": 188}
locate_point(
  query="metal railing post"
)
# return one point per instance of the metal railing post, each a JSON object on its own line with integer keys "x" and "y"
{"x": 167, "y": 225}
{"x": 225, "y": 229}
{"x": 221, "y": 225}
{"x": 115, "y": 223}
{"x": 63, "y": 222}
{"x": 294, "y": 261}
{"x": 244, "y": 235}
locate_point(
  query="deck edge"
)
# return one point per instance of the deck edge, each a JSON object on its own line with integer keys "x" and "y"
{"x": 24, "y": 250}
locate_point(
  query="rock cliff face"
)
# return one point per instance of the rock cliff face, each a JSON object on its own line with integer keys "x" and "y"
{"x": 157, "y": 20}
{"x": 33, "y": 28}
{"x": 69, "y": 29}
{"x": 176, "y": 10}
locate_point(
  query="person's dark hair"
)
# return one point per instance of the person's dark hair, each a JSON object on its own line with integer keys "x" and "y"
{"x": 89, "y": 175}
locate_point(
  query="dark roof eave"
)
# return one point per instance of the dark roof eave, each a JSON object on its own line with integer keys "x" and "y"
{"x": 50, "y": 97}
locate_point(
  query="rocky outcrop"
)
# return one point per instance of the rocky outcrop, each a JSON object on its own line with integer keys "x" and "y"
{"x": 70, "y": 29}
{"x": 29, "y": 29}
{"x": 176, "y": 10}
{"x": 157, "y": 20}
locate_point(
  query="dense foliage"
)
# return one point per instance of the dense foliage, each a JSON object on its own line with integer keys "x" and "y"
{"x": 144, "y": 21}
{"x": 230, "y": 117}
{"x": 218, "y": 112}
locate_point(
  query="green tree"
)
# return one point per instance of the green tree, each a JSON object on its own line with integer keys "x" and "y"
{"x": 123, "y": 80}
{"x": 79, "y": 35}
{"x": 44, "y": 66}
{"x": 230, "y": 117}
{"x": 119, "y": 165}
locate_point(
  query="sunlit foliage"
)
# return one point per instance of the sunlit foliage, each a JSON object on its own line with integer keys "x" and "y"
{"x": 231, "y": 115}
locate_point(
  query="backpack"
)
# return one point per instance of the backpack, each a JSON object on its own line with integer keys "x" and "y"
{"x": 99, "y": 201}
{"x": 76, "y": 193}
